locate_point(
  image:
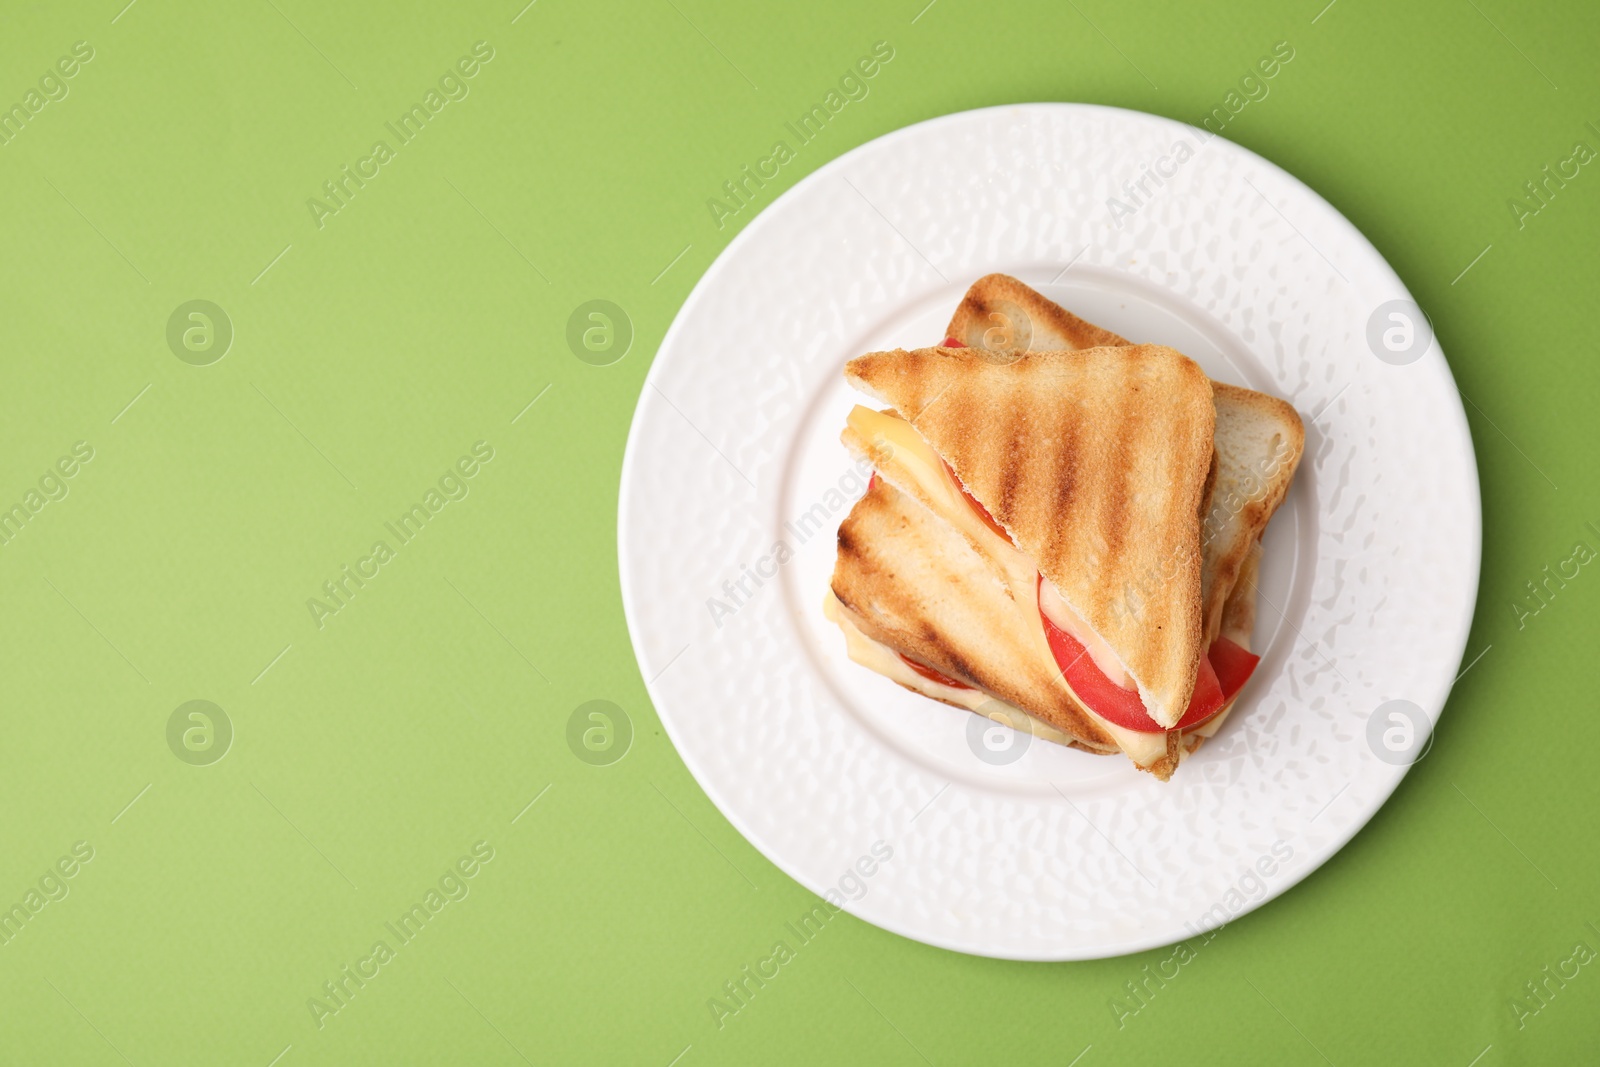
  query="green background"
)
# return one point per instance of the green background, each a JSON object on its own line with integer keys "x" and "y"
{"x": 372, "y": 753}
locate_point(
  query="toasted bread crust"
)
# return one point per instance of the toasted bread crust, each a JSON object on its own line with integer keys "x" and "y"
{"x": 987, "y": 318}
{"x": 1260, "y": 440}
{"x": 1096, "y": 463}
{"x": 1239, "y": 503}
{"x": 1163, "y": 767}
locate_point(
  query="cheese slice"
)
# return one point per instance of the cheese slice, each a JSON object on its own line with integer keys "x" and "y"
{"x": 902, "y": 455}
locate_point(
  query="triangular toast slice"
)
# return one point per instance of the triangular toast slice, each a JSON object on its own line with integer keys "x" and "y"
{"x": 1259, "y": 438}
{"x": 1096, "y": 464}
{"x": 909, "y": 580}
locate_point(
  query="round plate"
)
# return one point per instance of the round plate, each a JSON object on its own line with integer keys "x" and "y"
{"x": 893, "y": 805}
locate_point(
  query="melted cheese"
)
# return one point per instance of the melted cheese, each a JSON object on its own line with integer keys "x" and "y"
{"x": 911, "y": 453}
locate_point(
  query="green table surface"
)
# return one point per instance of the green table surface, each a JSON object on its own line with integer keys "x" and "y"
{"x": 390, "y": 741}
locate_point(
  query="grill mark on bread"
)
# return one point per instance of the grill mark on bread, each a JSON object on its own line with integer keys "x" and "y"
{"x": 848, "y": 546}
{"x": 960, "y": 668}
{"x": 981, "y": 310}
{"x": 1065, "y": 498}
{"x": 976, "y": 426}
{"x": 1005, "y": 511}
{"x": 1115, "y": 506}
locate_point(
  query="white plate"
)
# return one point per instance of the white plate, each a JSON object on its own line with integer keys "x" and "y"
{"x": 1369, "y": 579}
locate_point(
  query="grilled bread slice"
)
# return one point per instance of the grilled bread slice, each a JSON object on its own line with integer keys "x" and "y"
{"x": 1096, "y": 464}
{"x": 909, "y": 580}
{"x": 1259, "y": 441}
{"x": 1259, "y": 438}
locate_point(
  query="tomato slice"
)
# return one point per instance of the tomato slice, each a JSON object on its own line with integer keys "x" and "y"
{"x": 931, "y": 674}
{"x": 1119, "y": 706}
{"x": 1233, "y": 665}
{"x": 872, "y": 481}
{"x": 951, "y": 342}
{"x": 981, "y": 511}
{"x": 1206, "y": 700}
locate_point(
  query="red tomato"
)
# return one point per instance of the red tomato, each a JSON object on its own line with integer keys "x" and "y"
{"x": 931, "y": 674}
{"x": 1206, "y": 700}
{"x": 1233, "y": 665}
{"x": 951, "y": 342}
{"x": 872, "y": 481}
{"x": 1119, "y": 706}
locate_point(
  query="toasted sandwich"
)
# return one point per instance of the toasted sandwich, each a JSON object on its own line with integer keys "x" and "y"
{"x": 1066, "y": 539}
